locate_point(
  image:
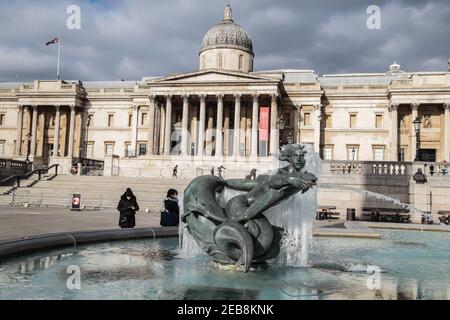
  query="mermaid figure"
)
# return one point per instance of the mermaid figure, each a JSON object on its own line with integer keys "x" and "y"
{"x": 239, "y": 233}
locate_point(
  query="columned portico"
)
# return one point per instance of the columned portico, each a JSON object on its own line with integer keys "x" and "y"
{"x": 19, "y": 131}
{"x": 414, "y": 115}
{"x": 447, "y": 131}
{"x": 393, "y": 109}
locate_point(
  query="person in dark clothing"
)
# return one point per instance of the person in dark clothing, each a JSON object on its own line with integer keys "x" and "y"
{"x": 170, "y": 216}
{"x": 127, "y": 207}
{"x": 175, "y": 172}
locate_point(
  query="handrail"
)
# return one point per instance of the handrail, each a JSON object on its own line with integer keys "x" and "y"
{"x": 17, "y": 178}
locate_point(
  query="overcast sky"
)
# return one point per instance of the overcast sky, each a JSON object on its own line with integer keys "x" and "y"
{"x": 129, "y": 39}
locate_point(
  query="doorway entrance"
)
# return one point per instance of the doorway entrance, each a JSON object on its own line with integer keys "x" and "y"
{"x": 48, "y": 153}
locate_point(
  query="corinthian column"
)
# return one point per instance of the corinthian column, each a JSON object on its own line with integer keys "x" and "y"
{"x": 446, "y": 156}
{"x": 255, "y": 117}
{"x": 184, "y": 127}
{"x": 57, "y": 129}
{"x": 34, "y": 131}
{"x": 201, "y": 126}
{"x": 317, "y": 120}
{"x": 393, "y": 109}
{"x": 219, "y": 129}
{"x": 414, "y": 115}
{"x": 274, "y": 143}
{"x": 19, "y": 131}
{"x": 237, "y": 126}
{"x": 71, "y": 132}
{"x": 168, "y": 133}
{"x": 151, "y": 126}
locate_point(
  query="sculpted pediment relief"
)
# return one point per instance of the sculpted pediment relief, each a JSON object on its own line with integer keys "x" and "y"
{"x": 211, "y": 76}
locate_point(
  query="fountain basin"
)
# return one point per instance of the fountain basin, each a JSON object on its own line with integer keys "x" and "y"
{"x": 410, "y": 264}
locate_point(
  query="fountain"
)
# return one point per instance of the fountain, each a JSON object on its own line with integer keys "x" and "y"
{"x": 239, "y": 235}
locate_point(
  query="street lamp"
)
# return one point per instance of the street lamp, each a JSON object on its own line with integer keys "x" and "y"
{"x": 281, "y": 123}
{"x": 353, "y": 157}
{"x": 417, "y": 124}
{"x": 27, "y": 160}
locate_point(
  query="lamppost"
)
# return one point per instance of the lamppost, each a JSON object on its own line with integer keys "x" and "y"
{"x": 27, "y": 160}
{"x": 281, "y": 125}
{"x": 353, "y": 157}
{"x": 417, "y": 124}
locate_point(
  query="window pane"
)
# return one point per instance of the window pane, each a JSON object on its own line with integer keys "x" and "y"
{"x": 90, "y": 151}
{"x": 379, "y": 154}
{"x": 142, "y": 149}
{"x": 2, "y": 148}
{"x": 328, "y": 122}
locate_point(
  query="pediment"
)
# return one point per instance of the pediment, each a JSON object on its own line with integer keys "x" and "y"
{"x": 212, "y": 76}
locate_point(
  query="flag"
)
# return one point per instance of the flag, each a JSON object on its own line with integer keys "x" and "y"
{"x": 54, "y": 41}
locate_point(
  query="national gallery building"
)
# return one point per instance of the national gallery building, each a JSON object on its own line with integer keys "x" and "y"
{"x": 227, "y": 113}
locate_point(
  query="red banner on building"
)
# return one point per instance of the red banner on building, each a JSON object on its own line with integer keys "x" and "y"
{"x": 264, "y": 123}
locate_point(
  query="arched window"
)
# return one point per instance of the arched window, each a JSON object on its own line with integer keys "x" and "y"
{"x": 241, "y": 62}
{"x": 220, "y": 60}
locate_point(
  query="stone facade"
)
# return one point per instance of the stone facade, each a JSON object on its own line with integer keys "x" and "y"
{"x": 226, "y": 112}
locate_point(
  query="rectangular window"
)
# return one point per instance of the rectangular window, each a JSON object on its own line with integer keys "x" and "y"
{"x": 143, "y": 119}
{"x": 130, "y": 120}
{"x": 2, "y": 148}
{"x": 110, "y": 120}
{"x": 378, "y": 121}
{"x": 90, "y": 150}
{"x": 401, "y": 155}
{"x": 328, "y": 121}
{"x": 307, "y": 119}
{"x": 109, "y": 149}
{"x": 328, "y": 153}
{"x": 2, "y": 119}
{"x": 142, "y": 149}
{"x": 128, "y": 150}
{"x": 352, "y": 153}
{"x": 378, "y": 154}
{"x": 352, "y": 121}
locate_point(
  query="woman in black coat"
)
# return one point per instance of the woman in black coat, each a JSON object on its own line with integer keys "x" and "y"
{"x": 128, "y": 207}
{"x": 170, "y": 217}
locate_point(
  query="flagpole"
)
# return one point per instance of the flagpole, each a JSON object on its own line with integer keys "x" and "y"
{"x": 59, "y": 59}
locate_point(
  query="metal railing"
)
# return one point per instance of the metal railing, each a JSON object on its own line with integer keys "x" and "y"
{"x": 15, "y": 180}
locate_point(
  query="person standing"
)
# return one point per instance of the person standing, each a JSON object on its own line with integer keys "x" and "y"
{"x": 175, "y": 172}
{"x": 127, "y": 207}
{"x": 170, "y": 216}
{"x": 220, "y": 170}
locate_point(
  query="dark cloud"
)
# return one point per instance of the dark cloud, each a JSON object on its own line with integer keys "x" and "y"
{"x": 134, "y": 38}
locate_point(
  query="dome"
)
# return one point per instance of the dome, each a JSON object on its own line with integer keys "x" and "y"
{"x": 227, "y": 34}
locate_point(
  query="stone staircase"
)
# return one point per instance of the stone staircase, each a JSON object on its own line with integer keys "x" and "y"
{"x": 96, "y": 192}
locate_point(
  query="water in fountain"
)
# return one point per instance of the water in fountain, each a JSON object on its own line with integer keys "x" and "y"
{"x": 296, "y": 216}
{"x": 371, "y": 194}
{"x": 188, "y": 246}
